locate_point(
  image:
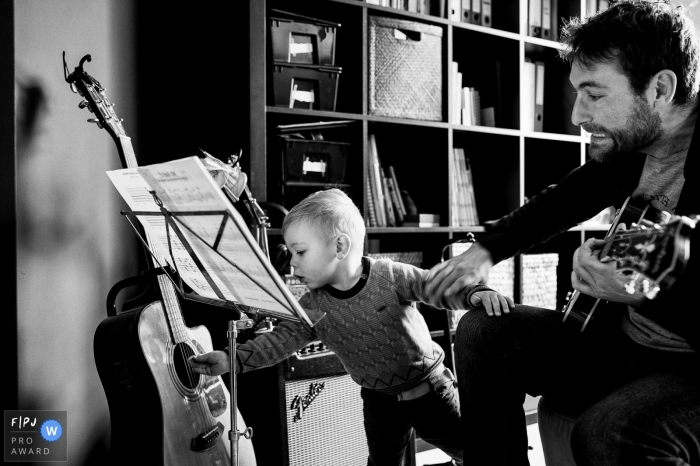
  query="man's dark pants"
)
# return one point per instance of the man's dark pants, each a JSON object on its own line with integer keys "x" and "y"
{"x": 638, "y": 405}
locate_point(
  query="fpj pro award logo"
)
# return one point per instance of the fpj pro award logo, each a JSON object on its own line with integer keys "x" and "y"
{"x": 32, "y": 435}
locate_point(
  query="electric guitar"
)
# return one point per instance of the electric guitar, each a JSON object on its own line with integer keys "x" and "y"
{"x": 161, "y": 411}
{"x": 648, "y": 254}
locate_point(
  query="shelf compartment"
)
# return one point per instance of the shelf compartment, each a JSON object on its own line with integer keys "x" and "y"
{"x": 492, "y": 69}
{"x": 495, "y": 168}
{"x": 547, "y": 162}
{"x": 348, "y": 46}
{"x": 419, "y": 158}
{"x": 559, "y": 96}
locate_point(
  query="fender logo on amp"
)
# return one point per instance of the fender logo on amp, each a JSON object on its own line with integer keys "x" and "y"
{"x": 300, "y": 403}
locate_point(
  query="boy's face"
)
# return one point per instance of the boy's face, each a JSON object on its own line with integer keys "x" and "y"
{"x": 606, "y": 106}
{"x": 313, "y": 256}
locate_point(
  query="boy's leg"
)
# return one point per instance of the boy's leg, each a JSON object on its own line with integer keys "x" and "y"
{"x": 436, "y": 418}
{"x": 386, "y": 427}
{"x": 529, "y": 350}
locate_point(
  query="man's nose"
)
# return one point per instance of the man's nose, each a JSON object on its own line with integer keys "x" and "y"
{"x": 580, "y": 114}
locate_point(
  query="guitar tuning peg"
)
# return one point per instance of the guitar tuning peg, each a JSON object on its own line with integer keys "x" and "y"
{"x": 83, "y": 104}
{"x": 97, "y": 122}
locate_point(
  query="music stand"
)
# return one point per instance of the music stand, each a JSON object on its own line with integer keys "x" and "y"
{"x": 206, "y": 241}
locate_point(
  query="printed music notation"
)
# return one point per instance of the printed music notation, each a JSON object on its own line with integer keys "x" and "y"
{"x": 215, "y": 232}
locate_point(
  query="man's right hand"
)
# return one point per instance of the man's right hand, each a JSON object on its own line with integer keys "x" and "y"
{"x": 446, "y": 281}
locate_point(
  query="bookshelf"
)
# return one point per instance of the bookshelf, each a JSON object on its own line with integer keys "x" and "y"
{"x": 509, "y": 163}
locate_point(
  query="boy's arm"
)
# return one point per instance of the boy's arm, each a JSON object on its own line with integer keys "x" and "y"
{"x": 268, "y": 349}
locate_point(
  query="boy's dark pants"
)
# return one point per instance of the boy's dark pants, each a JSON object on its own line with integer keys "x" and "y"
{"x": 638, "y": 405}
{"x": 388, "y": 423}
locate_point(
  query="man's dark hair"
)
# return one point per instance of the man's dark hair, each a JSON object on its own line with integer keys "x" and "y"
{"x": 647, "y": 37}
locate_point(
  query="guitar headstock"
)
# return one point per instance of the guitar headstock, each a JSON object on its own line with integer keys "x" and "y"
{"x": 652, "y": 257}
{"x": 95, "y": 99}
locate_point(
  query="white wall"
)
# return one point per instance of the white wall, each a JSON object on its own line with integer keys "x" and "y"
{"x": 72, "y": 243}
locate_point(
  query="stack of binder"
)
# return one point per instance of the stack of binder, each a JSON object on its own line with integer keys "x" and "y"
{"x": 303, "y": 69}
{"x": 471, "y": 11}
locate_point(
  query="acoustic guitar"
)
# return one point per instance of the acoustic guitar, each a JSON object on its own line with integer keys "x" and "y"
{"x": 161, "y": 411}
{"x": 648, "y": 254}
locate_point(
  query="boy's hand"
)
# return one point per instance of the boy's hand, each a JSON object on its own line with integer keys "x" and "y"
{"x": 214, "y": 363}
{"x": 493, "y": 302}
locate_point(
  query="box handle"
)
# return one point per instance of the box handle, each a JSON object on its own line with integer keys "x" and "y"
{"x": 408, "y": 35}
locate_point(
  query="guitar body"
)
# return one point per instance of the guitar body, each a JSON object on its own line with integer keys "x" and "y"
{"x": 156, "y": 407}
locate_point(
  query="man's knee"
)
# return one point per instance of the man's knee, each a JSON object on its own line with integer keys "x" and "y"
{"x": 596, "y": 433}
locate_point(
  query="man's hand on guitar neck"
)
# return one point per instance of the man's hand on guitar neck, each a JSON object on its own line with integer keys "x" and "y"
{"x": 597, "y": 277}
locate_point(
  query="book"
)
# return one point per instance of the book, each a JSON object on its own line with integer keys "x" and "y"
{"x": 395, "y": 181}
{"x": 474, "y": 216}
{"x": 371, "y": 216}
{"x": 376, "y": 182}
{"x": 476, "y": 107}
{"x": 422, "y": 220}
{"x": 396, "y": 203}
{"x": 466, "y": 110}
{"x": 390, "y": 217}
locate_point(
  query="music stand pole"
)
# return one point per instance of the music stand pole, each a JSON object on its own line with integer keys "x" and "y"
{"x": 234, "y": 434}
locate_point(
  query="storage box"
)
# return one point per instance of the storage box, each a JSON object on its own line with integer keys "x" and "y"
{"x": 301, "y": 39}
{"x": 305, "y": 86}
{"x": 405, "y": 69}
{"x": 313, "y": 161}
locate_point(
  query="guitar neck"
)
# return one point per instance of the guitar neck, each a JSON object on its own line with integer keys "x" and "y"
{"x": 167, "y": 289}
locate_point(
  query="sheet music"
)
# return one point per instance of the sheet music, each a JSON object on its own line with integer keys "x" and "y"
{"x": 185, "y": 186}
{"x": 135, "y": 192}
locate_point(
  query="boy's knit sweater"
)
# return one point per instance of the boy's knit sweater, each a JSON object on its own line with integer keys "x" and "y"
{"x": 379, "y": 336}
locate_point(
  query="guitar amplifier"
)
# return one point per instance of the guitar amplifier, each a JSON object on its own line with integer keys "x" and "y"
{"x": 305, "y": 411}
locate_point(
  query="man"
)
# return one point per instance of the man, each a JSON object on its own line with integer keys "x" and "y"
{"x": 634, "y": 374}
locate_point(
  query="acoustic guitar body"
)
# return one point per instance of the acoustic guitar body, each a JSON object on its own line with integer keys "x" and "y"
{"x": 161, "y": 413}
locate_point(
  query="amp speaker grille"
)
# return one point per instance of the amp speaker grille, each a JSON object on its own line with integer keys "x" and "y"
{"x": 331, "y": 430}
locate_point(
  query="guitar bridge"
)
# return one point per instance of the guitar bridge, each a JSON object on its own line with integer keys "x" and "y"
{"x": 208, "y": 439}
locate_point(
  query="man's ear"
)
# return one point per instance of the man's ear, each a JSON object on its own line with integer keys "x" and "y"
{"x": 663, "y": 84}
{"x": 343, "y": 243}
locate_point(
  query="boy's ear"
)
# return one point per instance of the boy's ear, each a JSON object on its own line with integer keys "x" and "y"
{"x": 342, "y": 245}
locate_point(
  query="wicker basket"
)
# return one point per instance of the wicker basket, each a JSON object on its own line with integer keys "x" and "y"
{"x": 539, "y": 280}
{"x": 405, "y": 69}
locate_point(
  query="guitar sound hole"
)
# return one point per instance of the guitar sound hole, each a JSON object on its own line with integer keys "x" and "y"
{"x": 184, "y": 372}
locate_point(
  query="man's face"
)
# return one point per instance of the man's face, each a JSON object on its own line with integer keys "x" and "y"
{"x": 313, "y": 256}
{"x": 618, "y": 119}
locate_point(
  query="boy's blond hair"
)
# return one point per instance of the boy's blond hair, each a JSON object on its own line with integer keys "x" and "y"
{"x": 332, "y": 212}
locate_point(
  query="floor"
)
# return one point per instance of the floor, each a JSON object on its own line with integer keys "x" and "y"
{"x": 536, "y": 457}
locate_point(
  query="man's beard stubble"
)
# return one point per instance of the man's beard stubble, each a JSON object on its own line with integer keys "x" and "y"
{"x": 642, "y": 129}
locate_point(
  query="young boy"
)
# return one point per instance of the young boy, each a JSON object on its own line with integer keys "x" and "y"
{"x": 370, "y": 324}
